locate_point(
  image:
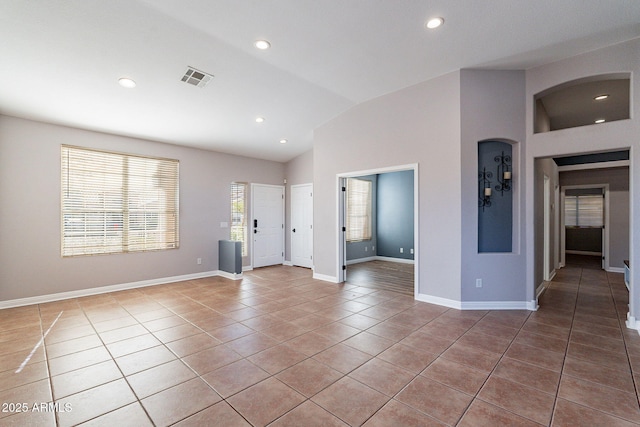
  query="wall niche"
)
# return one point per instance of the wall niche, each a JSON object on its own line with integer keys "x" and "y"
{"x": 495, "y": 197}
{"x": 587, "y": 101}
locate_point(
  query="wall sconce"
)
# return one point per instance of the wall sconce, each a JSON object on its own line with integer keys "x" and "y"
{"x": 504, "y": 173}
{"x": 484, "y": 184}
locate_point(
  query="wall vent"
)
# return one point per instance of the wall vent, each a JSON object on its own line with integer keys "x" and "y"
{"x": 196, "y": 77}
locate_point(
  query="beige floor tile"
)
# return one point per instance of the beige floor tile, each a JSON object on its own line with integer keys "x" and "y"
{"x": 437, "y": 400}
{"x": 179, "y": 402}
{"x": 221, "y": 412}
{"x": 382, "y": 376}
{"x": 350, "y": 400}
{"x": 309, "y": 377}
{"x": 237, "y": 376}
{"x": 265, "y": 401}
{"x": 308, "y": 414}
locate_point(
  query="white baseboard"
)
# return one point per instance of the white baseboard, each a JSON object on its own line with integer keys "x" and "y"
{"x": 479, "y": 305}
{"x": 392, "y": 259}
{"x": 325, "y": 277}
{"x": 288, "y": 263}
{"x": 632, "y": 323}
{"x": 584, "y": 253}
{"x": 540, "y": 289}
{"x": 500, "y": 305}
{"x": 380, "y": 258}
{"x": 247, "y": 268}
{"x": 615, "y": 270}
{"x": 552, "y": 275}
{"x": 445, "y": 302}
{"x": 359, "y": 260}
{"x": 41, "y": 299}
{"x": 232, "y": 276}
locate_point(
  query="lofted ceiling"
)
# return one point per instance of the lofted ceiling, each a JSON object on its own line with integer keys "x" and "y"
{"x": 60, "y": 60}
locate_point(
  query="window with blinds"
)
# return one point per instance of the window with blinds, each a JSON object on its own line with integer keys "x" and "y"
{"x": 239, "y": 214}
{"x": 584, "y": 211}
{"x": 117, "y": 203}
{"x": 358, "y": 210}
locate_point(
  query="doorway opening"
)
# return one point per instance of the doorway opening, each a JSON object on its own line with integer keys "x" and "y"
{"x": 379, "y": 249}
{"x": 585, "y": 224}
{"x": 582, "y": 215}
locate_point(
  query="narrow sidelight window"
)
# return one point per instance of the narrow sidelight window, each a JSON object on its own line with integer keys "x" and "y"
{"x": 239, "y": 214}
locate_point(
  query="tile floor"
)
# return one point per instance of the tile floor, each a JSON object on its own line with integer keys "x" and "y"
{"x": 281, "y": 349}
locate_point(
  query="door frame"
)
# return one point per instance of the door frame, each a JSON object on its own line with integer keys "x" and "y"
{"x": 310, "y": 185}
{"x": 341, "y": 241}
{"x": 605, "y": 232}
{"x": 252, "y": 228}
{"x": 547, "y": 274}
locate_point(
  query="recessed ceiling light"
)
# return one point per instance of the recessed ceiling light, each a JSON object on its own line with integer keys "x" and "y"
{"x": 601, "y": 97}
{"x": 262, "y": 44}
{"x": 600, "y": 121}
{"x": 283, "y": 141}
{"x": 434, "y": 23}
{"x": 259, "y": 119}
{"x": 126, "y": 82}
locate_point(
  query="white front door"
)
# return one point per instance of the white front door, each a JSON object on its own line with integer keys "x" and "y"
{"x": 267, "y": 224}
{"x": 302, "y": 225}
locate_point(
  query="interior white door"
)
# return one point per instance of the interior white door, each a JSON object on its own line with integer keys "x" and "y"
{"x": 302, "y": 225}
{"x": 267, "y": 203}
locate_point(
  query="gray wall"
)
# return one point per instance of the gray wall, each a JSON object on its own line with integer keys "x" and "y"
{"x": 583, "y": 240}
{"x": 367, "y": 248}
{"x": 492, "y": 108}
{"x": 30, "y": 261}
{"x": 395, "y": 214}
{"x": 618, "y": 180}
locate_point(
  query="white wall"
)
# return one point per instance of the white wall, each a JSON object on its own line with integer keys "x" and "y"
{"x": 492, "y": 107}
{"x": 607, "y": 136}
{"x": 30, "y": 261}
{"x": 419, "y": 124}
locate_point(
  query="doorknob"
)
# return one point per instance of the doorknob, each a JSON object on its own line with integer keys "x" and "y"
{"x": 294, "y": 230}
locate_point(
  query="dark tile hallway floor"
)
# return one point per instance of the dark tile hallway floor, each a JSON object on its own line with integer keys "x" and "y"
{"x": 279, "y": 348}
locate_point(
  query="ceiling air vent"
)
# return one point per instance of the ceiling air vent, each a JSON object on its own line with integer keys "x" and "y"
{"x": 196, "y": 77}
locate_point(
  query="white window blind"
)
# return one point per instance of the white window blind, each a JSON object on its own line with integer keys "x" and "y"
{"x": 584, "y": 211}
{"x": 117, "y": 203}
{"x": 358, "y": 210}
{"x": 239, "y": 214}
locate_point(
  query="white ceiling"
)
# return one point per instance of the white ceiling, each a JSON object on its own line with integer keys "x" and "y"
{"x": 60, "y": 59}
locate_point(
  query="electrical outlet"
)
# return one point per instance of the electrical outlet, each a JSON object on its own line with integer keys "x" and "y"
{"x": 478, "y": 283}
{"x": 401, "y": 250}
{"x": 199, "y": 261}
{"x": 411, "y": 251}
{"x": 373, "y": 248}
{"x": 366, "y": 248}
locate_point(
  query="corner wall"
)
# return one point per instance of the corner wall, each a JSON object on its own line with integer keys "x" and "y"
{"x": 419, "y": 124}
